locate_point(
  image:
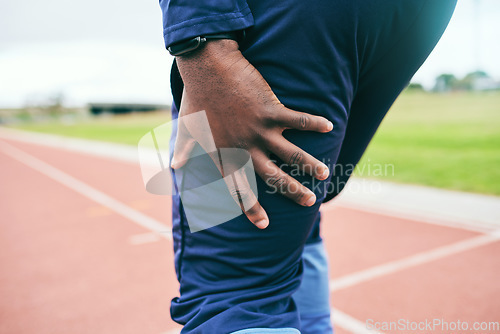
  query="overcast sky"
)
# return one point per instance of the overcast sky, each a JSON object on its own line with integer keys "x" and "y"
{"x": 110, "y": 50}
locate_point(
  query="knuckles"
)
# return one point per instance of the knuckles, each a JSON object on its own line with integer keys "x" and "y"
{"x": 276, "y": 182}
{"x": 303, "y": 122}
{"x": 296, "y": 158}
{"x": 241, "y": 194}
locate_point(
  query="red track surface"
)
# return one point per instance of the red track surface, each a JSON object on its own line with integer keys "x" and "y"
{"x": 68, "y": 264}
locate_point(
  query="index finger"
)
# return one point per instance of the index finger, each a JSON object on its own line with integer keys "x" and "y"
{"x": 292, "y": 119}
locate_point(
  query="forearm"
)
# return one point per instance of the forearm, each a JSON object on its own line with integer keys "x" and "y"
{"x": 213, "y": 76}
{"x": 207, "y": 63}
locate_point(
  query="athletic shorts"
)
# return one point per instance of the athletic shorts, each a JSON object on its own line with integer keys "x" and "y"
{"x": 346, "y": 60}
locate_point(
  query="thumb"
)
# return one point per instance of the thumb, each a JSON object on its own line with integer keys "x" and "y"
{"x": 184, "y": 145}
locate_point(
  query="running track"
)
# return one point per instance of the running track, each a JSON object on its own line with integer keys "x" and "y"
{"x": 78, "y": 254}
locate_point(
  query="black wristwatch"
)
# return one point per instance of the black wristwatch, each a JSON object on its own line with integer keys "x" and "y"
{"x": 190, "y": 45}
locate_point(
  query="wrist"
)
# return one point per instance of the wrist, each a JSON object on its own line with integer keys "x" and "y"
{"x": 192, "y": 45}
{"x": 211, "y": 48}
{"x": 215, "y": 57}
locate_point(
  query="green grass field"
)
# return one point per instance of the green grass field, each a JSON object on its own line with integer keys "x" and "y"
{"x": 124, "y": 129}
{"x": 448, "y": 141}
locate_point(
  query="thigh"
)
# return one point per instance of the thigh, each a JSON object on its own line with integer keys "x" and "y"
{"x": 234, "y": 276}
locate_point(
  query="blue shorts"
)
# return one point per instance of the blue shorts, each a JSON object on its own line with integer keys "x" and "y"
{"x": 346, "y": 60}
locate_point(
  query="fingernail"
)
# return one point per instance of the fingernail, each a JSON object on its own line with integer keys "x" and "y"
{"x": 172, "y": 163}
{"x": 325, "y": 174}
{"x": 311, "y": 200}
{"x": 330, "y": 126}
{"x": 262, "y": 224}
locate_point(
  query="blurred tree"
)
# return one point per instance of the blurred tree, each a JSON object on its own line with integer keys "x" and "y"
{"x": 473, "y": 81}
{"x": 415, "y": 86}
{"x": 445, "y": 83}
{"x": 54, "y": 106}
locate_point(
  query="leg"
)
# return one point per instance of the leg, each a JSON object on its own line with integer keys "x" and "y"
{"x": 313, "y": 296}
{"x": 234, "y": 277}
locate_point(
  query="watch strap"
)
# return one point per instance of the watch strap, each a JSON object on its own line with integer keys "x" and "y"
{"x": 190, "y": 45}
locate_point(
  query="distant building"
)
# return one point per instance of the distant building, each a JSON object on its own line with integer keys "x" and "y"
{"x": 123, "y": 108}
{"x": 486, "y": 83}
{"x": 474, "y": 81}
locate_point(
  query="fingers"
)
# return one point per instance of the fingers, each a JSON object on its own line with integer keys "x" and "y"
{"x": 295, "y": 157}
{"x": 192, "y": 127}
{"x": 244, "y": 195}
{"x": 280, "y": 182}
{"x": 184, "y": 144}
{"x": 236, "y": 179}
{"x": 303, "y": 121}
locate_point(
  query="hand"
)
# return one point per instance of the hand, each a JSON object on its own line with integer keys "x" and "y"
{"x": 243, "y": 112}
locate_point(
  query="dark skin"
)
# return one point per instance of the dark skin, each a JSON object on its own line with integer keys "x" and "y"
{"x": 251, "y": 117}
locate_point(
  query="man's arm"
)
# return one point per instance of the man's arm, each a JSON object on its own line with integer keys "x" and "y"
{"x": 241, "y": 108}
{"x": 243, "y": 112}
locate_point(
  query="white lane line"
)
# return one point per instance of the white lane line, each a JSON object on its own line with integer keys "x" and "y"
{"x": 350, "y": 324}
{"x": 144, "y": 238}
{"x": 340, "y": 319}
{"x": 120, "y": 152}
{"x": 411, "y": 261}
{"x": 407, "y": 215}
{"x": 420, "y": 203}
{"x": 84, "y": 189}
{"x": 172, "y": 331}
